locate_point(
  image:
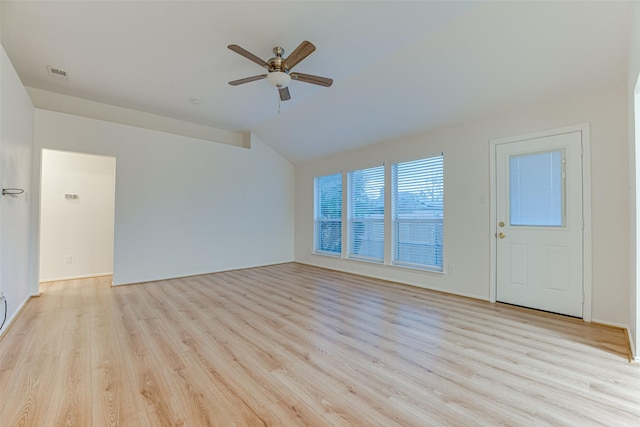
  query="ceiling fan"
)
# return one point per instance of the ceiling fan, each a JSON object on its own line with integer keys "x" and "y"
{"x": 279, "y": 68}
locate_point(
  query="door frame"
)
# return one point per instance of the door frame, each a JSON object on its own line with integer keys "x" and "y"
{"x": 586, "y": 209}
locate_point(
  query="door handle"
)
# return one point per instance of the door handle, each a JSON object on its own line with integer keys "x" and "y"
{"x": 502, "y": 235}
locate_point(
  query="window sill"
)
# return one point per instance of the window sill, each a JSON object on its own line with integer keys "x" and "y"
{"x": 399, "y": 267}
{"x": 418, "y": 268}
{"x": 364, "y": 259}
{"x": 328, "y": 254}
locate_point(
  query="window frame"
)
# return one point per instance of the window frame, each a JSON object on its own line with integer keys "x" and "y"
{"x": 416, "y": 173}
{"x": 353, "y": 217}
{"x": 318, "y": 222}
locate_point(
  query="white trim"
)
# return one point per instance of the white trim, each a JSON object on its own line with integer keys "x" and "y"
{"x": 634, "y": 172}
{"x": 612, "y": 324}
{"x": 389, "y": 242}
{"x": 325, "y": 253}
{"x": 365, "y": 259}
{"x": 394, "y": 280}
{"x": 493, "y": 191}
{"x": 82, "y": 276}
{"x": 15, "y": 314}
{"x": 345, "y": 215}
{"x": 399, "y": 157}
{"x": 632, "y": 346}
{"x": 405, "y": 268}
{"x": 586, "y": 208}
{"x": 627, "y": 330}
{"x": 587, "y": 274}
{"x": 372, "y": 165}
{"x": 347, "y": 209}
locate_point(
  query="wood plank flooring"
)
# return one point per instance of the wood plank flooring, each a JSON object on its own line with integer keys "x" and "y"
{"x": 293, "y": 345}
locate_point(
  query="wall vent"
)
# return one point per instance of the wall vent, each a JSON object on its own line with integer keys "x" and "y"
{"x": 58, "y": 73}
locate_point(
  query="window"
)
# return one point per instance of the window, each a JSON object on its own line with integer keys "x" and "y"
{"x": 536, "y": 189}
{"x": 417, "y": 215}
{"x": 365, "y": 214}
{"x": 328, "y": 214}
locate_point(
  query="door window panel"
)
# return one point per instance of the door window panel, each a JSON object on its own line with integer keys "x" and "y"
{"x": 536, "y": 189}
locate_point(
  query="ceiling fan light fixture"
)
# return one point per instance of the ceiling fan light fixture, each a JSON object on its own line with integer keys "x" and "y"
{"x": 279, "y": 79}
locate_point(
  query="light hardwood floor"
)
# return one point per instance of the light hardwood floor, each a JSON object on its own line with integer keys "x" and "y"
{"x": 291, "y": 345}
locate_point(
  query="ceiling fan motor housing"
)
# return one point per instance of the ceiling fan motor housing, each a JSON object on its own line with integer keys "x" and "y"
{"x": 279, "y": 77}
{"x": 277, "y": 63}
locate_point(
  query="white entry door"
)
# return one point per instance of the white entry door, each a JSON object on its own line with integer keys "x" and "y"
{"x": 539, "y": 238}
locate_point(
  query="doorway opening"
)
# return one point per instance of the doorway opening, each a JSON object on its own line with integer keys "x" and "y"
{"x": 77, "y": 212}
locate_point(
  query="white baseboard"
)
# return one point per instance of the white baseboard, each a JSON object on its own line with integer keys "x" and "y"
{"x": 615, "y": 325}
{"x": 632, "y": 346}
{"x": 391, "y": 279}
{"x": 83, "y": 276}
{"x": 14, "y": 316}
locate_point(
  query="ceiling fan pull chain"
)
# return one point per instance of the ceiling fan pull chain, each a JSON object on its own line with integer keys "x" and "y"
{"x": 279, "y": 104}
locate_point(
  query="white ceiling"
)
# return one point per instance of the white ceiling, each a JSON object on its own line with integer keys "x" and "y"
{"x": 398, "y": 67}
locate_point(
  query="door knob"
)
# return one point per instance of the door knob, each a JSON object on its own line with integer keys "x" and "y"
{"x": 502, "y": 235}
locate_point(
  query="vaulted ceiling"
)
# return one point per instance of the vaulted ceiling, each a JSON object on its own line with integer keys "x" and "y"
{"x": 398, "y": 67}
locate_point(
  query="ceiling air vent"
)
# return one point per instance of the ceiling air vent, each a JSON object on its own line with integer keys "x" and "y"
{"x": 58, "y": 73}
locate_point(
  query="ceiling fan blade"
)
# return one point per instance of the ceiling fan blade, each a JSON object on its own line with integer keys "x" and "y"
{"x": 250, "y": 56}
{"x": 247, "y": 80}
{"x": 284, "y": 94}
{"x": 308, "y": 78}
{"x": 302, "y": 51}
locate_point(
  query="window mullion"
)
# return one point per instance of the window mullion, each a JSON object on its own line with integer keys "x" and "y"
{"x": 388, "y": 194}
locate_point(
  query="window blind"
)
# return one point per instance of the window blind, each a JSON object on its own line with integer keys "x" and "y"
{"x": 418, "y": 213}
{"x": 536, "y": 189}
{"x": 365, "y": 213}
{"x": 328, "y": 214}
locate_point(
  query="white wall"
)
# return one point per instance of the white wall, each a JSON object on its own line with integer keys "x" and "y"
{"x": 184, "y": 206}
{"x": 16, "y": 141}
{"x": 76, "y": 235}
{"x": 467, "y": 222}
